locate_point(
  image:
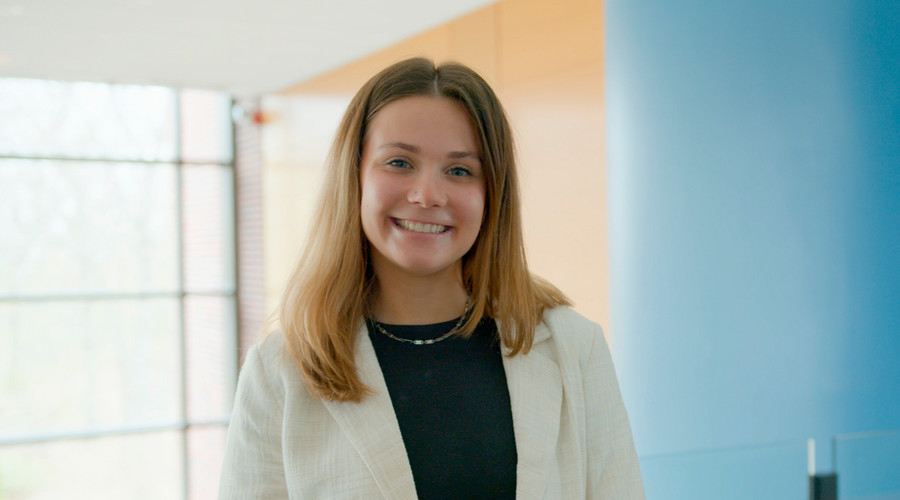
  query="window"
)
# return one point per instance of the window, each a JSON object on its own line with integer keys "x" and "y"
{"x": 118, "y": 350}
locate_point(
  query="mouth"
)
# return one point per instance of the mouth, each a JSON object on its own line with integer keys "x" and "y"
{"x": 420, "y": 227}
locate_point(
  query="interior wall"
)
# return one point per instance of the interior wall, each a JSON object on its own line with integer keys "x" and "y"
{"x": 545, "y": 62}
{"x": 755, "y": 220}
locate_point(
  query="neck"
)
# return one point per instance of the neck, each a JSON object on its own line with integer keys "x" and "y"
{"x": 418, "y": 300}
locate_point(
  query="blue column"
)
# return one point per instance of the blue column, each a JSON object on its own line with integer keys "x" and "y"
{"x": 754, "y": 162}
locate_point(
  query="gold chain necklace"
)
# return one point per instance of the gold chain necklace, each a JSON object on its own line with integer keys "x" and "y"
{"x": 424, "y": 341}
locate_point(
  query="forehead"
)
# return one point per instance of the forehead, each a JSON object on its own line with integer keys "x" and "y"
{"x": 428, "y": 122}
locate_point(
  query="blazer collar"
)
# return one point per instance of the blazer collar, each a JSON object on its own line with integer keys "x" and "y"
{"x": 372, "y": 427}
{"x": 535, "y": 392}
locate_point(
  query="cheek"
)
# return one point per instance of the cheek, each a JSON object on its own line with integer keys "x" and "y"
{"x": 378, "y": 193}
{"x": 474, "y": 207}
{"x": 369, "y": 196}
{"x": 368, "y": 208}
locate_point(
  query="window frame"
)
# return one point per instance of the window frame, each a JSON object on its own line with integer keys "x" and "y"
{"x": 184, "y": 424}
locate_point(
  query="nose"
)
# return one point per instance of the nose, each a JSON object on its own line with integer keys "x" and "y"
{"x": 427, "y": 189}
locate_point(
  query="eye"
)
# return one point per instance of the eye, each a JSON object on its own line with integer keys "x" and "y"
{"x": 459, "y": 171}
{"x": 399, "y": 163}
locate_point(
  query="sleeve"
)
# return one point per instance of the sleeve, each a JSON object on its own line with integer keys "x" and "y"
{"x": 613, "y": 468}
{"x": 253, "y": 466}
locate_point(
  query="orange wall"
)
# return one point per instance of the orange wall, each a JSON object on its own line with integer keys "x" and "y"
{"x": 544, "y": 59}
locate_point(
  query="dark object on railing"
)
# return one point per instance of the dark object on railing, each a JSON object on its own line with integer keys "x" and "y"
{"x": 823, "y": 487}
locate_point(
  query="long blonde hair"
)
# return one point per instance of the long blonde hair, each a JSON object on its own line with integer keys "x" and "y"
{"x": 325, "y": 299}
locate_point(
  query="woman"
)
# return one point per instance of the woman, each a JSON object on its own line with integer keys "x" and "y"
{"x": 418, "y": 356}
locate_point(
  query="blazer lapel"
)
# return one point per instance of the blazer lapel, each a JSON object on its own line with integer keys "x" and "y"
{"x": 535, "y": 393}
{"x": 371, "y": 426}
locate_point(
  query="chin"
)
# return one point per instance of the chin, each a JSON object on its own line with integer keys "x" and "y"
{"x": 422, "y": 267}
{"x": 423, "y": 270}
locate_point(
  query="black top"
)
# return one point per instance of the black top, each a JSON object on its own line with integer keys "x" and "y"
{"x": 452, "y": 404}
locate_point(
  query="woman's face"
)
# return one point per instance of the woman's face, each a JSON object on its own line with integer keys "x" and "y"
{"x": 423, "y": 186}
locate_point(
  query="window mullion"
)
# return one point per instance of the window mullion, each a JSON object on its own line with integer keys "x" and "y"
{"x": 179, "y": 202}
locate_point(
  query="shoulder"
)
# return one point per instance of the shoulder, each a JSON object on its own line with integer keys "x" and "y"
{"x": 266, "y": 364}
{"x": 266, "y": 355}
{"x": 573, "y": 336}
{"x": 270, "y": 348}
{"x": 565, "y": 316}
{"x": 567, "y": 326}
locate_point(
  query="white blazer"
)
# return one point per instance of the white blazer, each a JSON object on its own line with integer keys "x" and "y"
{"x": 572, "y": 434}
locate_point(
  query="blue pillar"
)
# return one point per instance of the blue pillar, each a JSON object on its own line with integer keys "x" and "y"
{"x": 754, "y": 163}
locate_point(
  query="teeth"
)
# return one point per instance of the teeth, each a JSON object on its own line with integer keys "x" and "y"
{"x": 421, "y": 228}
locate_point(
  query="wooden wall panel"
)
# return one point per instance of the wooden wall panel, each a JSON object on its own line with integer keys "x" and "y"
{"x": 542, "y": 39}
{"x": 551, "y": 71}
{"x": 473, "y": 40}
{"x": 559, "y": 127}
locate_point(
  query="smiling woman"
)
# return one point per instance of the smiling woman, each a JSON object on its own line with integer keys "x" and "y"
{"x": 418, "y": 357}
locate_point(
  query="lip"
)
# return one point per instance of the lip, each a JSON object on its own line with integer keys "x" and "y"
{"x": 394, "y": 222}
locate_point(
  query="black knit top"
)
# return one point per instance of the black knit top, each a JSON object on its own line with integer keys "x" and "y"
{"x": 452, "y": 404}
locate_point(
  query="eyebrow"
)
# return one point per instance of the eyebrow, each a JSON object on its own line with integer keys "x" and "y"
{"x": 416, "y": 149}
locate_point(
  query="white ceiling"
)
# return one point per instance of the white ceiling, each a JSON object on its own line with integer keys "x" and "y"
{"x": 239, "y": 46}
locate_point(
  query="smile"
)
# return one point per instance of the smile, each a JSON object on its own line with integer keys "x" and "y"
{"x": 419, "y": 227}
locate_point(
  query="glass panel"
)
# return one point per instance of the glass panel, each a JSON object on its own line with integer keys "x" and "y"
{"x": 86, "y": 120}
{"x": 205, "y": 126}
{"x": 142, "y": 466}
{"x": 868, "y": 466}
{"x": 772, "y": 472}
{"x": 211, "y": 356}
{"x": 206, "y": 452}
{"x": 208, "y": 215}
{"x": 72, "y": 366}
{"x": 72, "y": 227}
